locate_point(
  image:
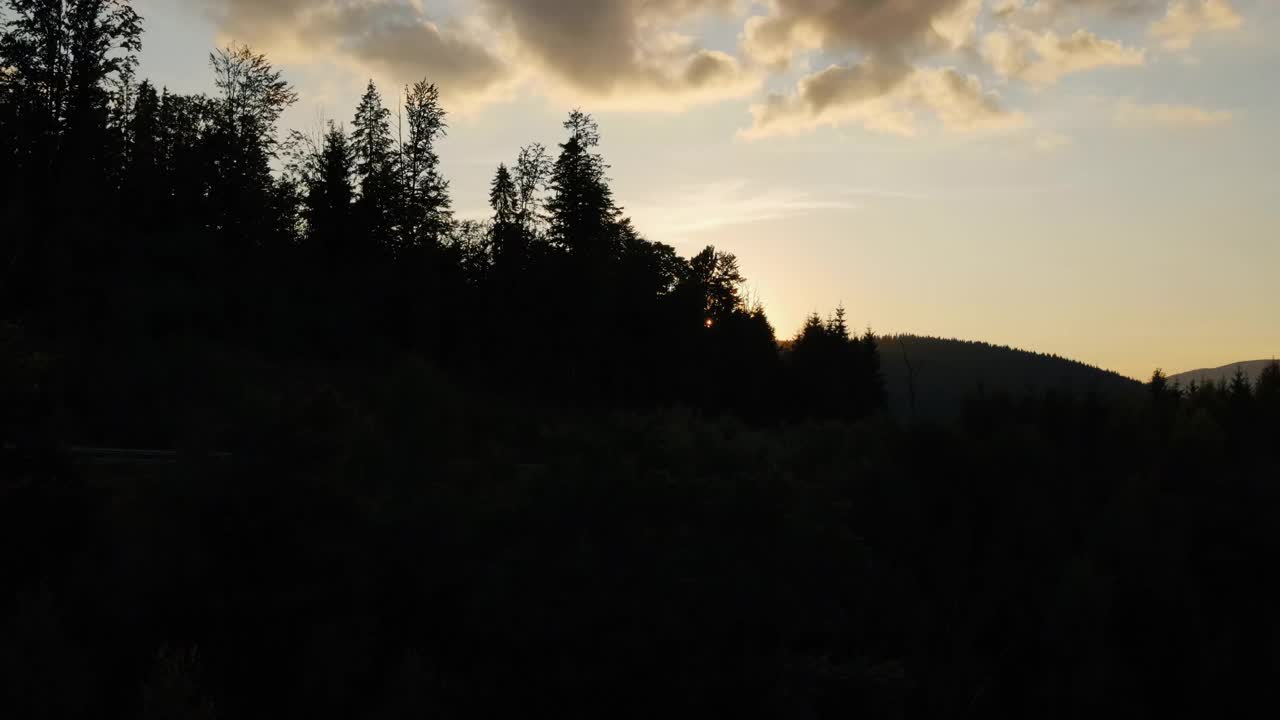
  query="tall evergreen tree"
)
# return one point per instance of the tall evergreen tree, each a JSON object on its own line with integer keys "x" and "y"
{"x": 426, "y": 205}
{"x": 872, "y": 393}
{"x": 375, "y": 167}
{"x": 506, "y": 232}
{"x": 838, "y": 325}
{"x": 144, "y": 183}
{"x": 325, "y": 167}
{"x": 503, "y": 198}
{"x": 582, "y": 214}
{"x": 1267, "y": 389}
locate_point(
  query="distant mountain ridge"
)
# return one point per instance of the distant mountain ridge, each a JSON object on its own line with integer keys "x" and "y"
{"x": 947, "y": 371}
{"x": 1252, "y": 369}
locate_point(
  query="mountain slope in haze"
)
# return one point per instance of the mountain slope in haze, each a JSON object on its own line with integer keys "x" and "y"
{"x": 947, "y": 371}
{"x": 1252, "y": 369}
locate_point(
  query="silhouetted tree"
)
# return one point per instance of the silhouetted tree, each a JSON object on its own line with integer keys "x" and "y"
{"x": 716, "y": 276}
{"x": 144, "y": 180}
{"x": 325, "y": 166}
{"x": 581, "y": 210}
{"x": 507, "y": 231}
{"x": 243, "y": 193}
{"x": 59, "y": 63}
{"x": 426, "y": 204}
{"x": 186, "y": 123}
{"x": 532, "y": 173}
{"x": 375, "y": 168}
{"x": 1267, "y": 388}
{"x": 835, "y": 375}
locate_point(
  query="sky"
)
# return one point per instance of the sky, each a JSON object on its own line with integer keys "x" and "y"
{"x": 1099, "y": 179}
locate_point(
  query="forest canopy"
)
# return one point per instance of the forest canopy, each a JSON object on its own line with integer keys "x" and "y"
{"x": 282, "y": 435}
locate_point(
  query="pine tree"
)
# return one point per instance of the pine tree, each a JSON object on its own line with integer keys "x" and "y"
{"x": 1240, "y": 387}
{"x": 426, "y": 205}
{"x": 143, "y": 181}
{"x": 375, "y": 167}
{"x": 502, "y": 197}
{"x": 1267, "y": 389}
{"x": 582, "y": 213}
{"x": 325, "y": 168}
{"x": 838, "y": 326}
{"x": 873, "y": 394}
{"x": 371, "y": 140}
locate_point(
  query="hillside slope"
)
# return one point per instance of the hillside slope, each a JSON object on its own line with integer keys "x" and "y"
{"x": 946, "y": 371}
{"x": 1252, "y": 369}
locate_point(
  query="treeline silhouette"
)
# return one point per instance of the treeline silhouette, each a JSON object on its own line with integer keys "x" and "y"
{"x": 366, "y": 460}
{"x": 143, "y": 215}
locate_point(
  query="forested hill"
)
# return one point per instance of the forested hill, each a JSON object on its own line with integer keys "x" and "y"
{"x": 1252, "y": 370}
{"x": 947, "y": 371}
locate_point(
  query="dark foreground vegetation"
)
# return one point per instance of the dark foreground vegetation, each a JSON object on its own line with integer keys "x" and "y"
{"x": 399, "y": 465}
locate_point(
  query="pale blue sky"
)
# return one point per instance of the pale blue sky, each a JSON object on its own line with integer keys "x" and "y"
{"x": 1119, "y": 213}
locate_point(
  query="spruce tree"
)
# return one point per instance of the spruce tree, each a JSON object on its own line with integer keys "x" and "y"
{"x": 426, "y": 207}
{"x": 582, "y": 214}
{"x": 325, "y": 169}
{"x": 502, "y": 197}
{"x": 143, "y": 181}
{"x": 375, "y": 167}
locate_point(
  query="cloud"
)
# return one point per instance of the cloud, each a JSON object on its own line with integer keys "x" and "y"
{"x": 694, "y": 209}
{"x": 883, "y": 98}
{"x": 646, "y": 55}
{"x": 623, "y": 52}
{"x": 1186, "y": 19}
{"x": 394, "y": 38}
{"x": 1043, "y": 58}
{"x": 613, "y": 52}
{"x": 1046, "y": 12}
{"x": 882, "y": 28}
{"x": 1135, "y": 116}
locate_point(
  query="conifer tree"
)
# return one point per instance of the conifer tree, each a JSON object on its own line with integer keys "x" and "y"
{"x": 325, "y": 168}
{"x": 582, "y": 214}
{"x": 427, "y": 213}
{"x": 502, "y": 197}
{"x": 1267, "y": 389}
{"x": 506, "y": 233}
{"x": 838, "y": 325}
{"x": 873, "y": 393}
{"x": 375, "y": 167}
{"x": 144, "y": 184}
